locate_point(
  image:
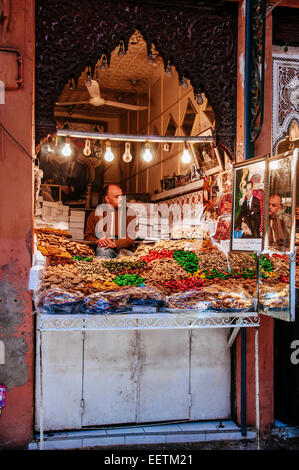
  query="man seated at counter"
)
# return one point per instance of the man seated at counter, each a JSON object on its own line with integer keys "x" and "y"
{"x": 108, "y": 239}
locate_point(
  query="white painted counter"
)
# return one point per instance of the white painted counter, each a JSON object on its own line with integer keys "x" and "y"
{"x": 95, "y": 370}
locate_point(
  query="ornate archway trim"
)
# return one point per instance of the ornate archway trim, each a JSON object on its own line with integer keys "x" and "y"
{"x": 200, "y": 42}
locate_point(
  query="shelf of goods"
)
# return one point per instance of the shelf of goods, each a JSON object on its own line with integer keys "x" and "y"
{"x": 172, "y": 283}
{"x": 153, "y": 329}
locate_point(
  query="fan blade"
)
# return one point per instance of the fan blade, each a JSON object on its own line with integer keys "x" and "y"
{"x": 94, "y": 89}
{"x": 70, "y": 103}
{"x": 128, "y": 106}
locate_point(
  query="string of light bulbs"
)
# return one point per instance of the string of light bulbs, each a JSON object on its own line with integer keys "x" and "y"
{"x": 127, "y": 156}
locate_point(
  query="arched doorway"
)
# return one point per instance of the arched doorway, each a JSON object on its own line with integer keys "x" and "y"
{"x": 200, "y": 41}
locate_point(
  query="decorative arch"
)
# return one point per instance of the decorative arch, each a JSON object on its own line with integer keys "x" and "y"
{"x": 200, "y": 41}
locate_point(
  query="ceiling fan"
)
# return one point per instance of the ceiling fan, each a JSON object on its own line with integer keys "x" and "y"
{"x": 96, "y": 99}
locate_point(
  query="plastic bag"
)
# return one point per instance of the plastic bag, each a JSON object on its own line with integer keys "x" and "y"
{"x": 57, "y": 300}
{"x": 214, "y": 297}
{"x": 106, "y": 302}
{"x": 95, "y": 303}
{"x": 145, "y": 295}
{"x": 227, "y": 298}
{"x": 192, "y": 299}
{"x": 274, "y": 281}
{"x": 274, "y": 296}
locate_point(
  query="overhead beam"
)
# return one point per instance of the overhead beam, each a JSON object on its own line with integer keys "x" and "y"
{"x": 133, "y": 138}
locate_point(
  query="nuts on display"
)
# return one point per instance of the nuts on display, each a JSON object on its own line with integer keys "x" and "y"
{"x": 185, "y": 273}
{"x": 94, "y": 271}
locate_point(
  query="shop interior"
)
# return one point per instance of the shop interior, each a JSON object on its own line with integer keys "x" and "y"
{"x": 167, "y": 108}
{"x": 165, "y": 155}
{"x": 132, "y": 96}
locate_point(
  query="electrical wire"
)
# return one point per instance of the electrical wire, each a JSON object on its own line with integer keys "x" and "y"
{"x": 16, "y": 142}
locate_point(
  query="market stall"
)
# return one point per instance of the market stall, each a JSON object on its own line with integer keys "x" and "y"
{"x": 146, "y": 337}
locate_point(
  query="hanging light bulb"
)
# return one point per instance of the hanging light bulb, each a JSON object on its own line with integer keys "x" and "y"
{"x": 87, "y": 149}
{"x": 108, "y": 154}
{"x": 88, "y": 79}
{"x": 50, "y": 147}
{"x": 199, "y": 99}
{"x": 121, "y": 51}
{"x": 169, "y": 70}
{"x": 186, "y": 157}
{"x": 147, "y": 155}
{"x": 127, "y": 156}
{"x": 184, "y": 83}
{"x": 104, "y": 63}
{"x": 66, "y": 151}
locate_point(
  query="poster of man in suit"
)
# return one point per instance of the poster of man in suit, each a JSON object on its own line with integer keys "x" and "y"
{"x": 248, "y": 214}
{"x": 249, "y": 218}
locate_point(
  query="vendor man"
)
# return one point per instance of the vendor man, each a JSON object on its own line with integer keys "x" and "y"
{"x": 102, "y": 225}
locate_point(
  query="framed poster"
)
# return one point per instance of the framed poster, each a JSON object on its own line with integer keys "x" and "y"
{"x": 281, "y": 217}
{"x": 249, "y": 205}
{"x": 207, "y": 155}
{"x": 195, "y": 173}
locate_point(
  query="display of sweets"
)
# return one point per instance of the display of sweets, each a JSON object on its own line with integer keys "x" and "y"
{"x": 168, "y": 268}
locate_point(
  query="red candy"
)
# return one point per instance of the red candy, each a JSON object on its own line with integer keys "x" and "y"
{"x": 276, "y": 255}
{"x": 185, "y": 284}
{"x": 153, "y": 255}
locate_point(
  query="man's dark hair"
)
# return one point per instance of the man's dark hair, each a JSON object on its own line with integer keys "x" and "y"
{"x": 276, "y": 195}
{"x": 249, "y": 182}
{"x": 106, "y": 187}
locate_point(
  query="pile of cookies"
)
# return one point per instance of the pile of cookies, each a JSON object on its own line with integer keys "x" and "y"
{"x": 47, "y": 239}
{"x": 62, "y": 276}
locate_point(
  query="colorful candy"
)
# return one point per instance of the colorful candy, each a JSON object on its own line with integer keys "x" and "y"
{"x": 129, "y": 280}
{"x": 153, "y": 255}
{"x": 187, "y": 259}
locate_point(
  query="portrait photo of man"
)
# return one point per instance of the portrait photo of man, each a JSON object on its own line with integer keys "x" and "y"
{"x": 249, "y": 218}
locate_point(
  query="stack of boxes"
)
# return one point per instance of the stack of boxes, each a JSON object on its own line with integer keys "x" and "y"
{"x": 150, "y": 225}
{"x": 165, "y": 230}
{"x": 76, "y": 224}
{"x": 52, "y": 212}
{"x": 159, "y": 228}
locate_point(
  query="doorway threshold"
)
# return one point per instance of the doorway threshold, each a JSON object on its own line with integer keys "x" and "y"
{"x": 195, "y": 431}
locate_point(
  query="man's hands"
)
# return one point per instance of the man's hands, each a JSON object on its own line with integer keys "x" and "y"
{"x": 106, "y": 243}
{"x": 246, "y": 229}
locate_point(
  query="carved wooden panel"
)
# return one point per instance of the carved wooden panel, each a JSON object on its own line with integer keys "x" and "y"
{"x": 199, "y": 40}
{"x": 285, "y": 110}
